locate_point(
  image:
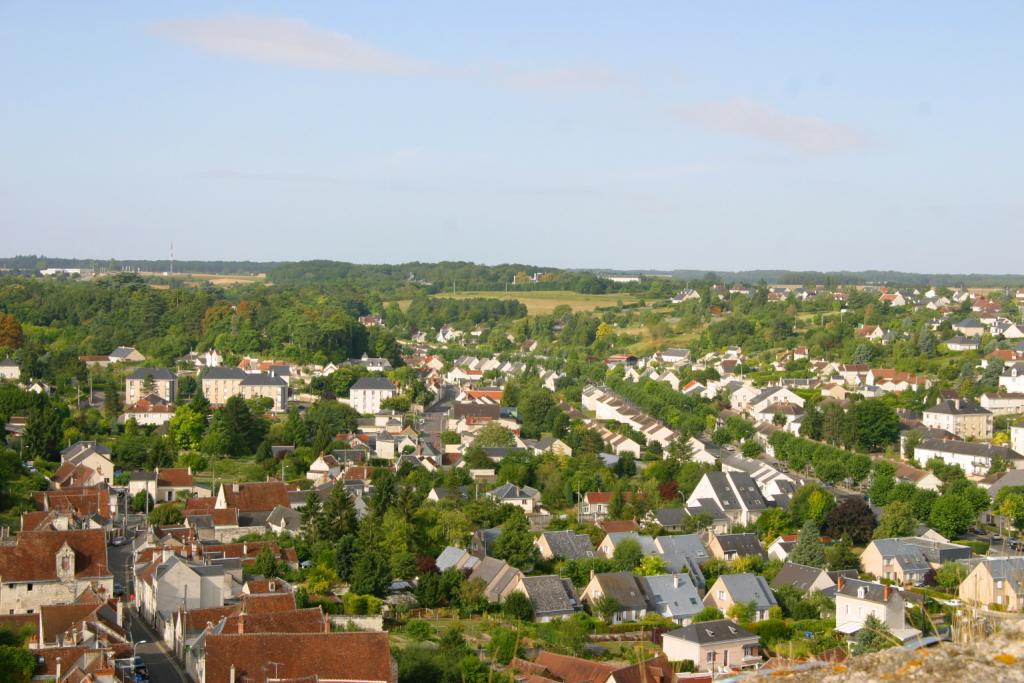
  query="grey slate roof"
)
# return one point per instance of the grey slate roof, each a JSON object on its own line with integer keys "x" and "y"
{"x": 374, "y": 383}
{"x": 223, "y": 373}
{"x": 732, "y": 488}
{"x": 975, "y": 449}
{"x": 672, "y": 595}
{"x": 962, "y": 406}
{"x": 711, "y": 632}
{"x": 569, "y": 545}
{"x": 624, "y": 588}
{"x": 263, "y": 380}
{"x": 920, "y": 553}
{"x": 873, "y": 592}
{"x": 449, "y": 557}
{"x": 287, "y": 517}
{"x": 551, "y": 595}
{"x": 749, "y": 588}
{"x": 741, "y": 544}
{"x": 162, "y": 374}
{"x": 799, "y": 576}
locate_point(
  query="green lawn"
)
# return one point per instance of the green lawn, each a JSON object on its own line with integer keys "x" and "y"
{"x": 542, "y": 303}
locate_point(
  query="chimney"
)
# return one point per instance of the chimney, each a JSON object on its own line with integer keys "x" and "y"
{"x": 591, "y": 574}
{"x": 231, "y": 676}
{"x": 120, "y": 612}
{"x": 245, "y": 549}
{"x": 839, "y": 583}
{"x": 241, "y": 623}
{"x": 57, "y": 677}
{"x": 885, "y": 593}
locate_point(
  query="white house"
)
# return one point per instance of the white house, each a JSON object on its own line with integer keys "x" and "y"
{"x": 367, "y": 394}
{"x": 856, "y": 600}
{"x": 9, "y": 370}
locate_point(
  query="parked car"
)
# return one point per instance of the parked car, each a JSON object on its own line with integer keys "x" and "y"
{"x": 117, "y": 541}
{"x": 118, "y": 590}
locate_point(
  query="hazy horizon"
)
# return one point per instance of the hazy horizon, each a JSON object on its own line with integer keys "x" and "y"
{"x": 676, "y": 137}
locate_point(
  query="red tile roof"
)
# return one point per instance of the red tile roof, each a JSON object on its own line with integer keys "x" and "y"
{"x": 32, "y": 558}
{"x": 174, "y": 476}
{"x": 309, "y": 620}
{"x": 58, "y": 619}
{"x": 352, "y": 657}
{"x": 268, "y": 602}
{"x": 83, "y": 501}
{"x": 197, "y": 504}
{"x": 612, "y": 525}
{"x": 261, "y": 496}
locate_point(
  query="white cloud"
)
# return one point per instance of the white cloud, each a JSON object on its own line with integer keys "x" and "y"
{"x": 751, "y": 119}
{"x": 279, "y": 40}
{"x": 559, "y": 79}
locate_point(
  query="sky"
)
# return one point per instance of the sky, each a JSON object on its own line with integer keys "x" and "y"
{"x": 647, "y": 135}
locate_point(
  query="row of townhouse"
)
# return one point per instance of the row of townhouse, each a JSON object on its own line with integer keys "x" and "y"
{"x": 607, "y": 405}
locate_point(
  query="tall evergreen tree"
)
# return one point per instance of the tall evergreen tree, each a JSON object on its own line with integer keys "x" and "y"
{"x": 809, "y": 549}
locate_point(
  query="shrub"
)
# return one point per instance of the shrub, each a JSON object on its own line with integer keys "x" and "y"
{"x": 418, "y": 629}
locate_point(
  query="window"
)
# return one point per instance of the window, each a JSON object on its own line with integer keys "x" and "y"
{"x": 710, "y": 659}
{"x": 28, "y": 587}
{"x": 65, "y": 563}
{"x": 721, "y": 595}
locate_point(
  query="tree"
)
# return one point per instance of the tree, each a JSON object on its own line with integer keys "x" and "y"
{"x": 809, "y": 549}
{"x": 166, "y": 514}
{"x": 875, "y": 636}
{"x": 243, "y": 430}
{"x": 605, "y": 606}
{"x": 1011, "y": 506}
{"x": 811, "y": 502}
{"x": 11, "y": 334}
{"x": 320, "y": 579}
{"x": 853, "y": 518}
{"x": 339, "y": 515}
{"x": 187, "y": 427}
{"x": 617, "y": 505}
{"x": 371, "y": 574}
{"x": 43, "y": 432}
{"x": 517, "y": 606}
{"x": 652, "y": 565}
{"x": 950, "y": 575}
{"x": 707, "y": 614}
{"x": 876, "y": 424}
{"x": 628, "y": 555}
{"x": 743, "y": 612}
{"x": 974, "y": 494}
{"x": 313, "y": 516}
{"x": 494, "y": 435}
{"x": 897, "y": 520}
{"x": 142, "y": 501}
{"x": 840, "y": 555}
{"x": 952, "y": 515}
{"x": 265, "y": 564}
{"x": 515, "y": 542}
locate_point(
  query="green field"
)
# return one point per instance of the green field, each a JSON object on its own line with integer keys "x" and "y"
{"x": 541, "y": 303}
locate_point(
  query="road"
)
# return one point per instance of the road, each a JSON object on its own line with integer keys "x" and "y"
{"x": 158, "y": 660}
{"x": 434, "y": 416}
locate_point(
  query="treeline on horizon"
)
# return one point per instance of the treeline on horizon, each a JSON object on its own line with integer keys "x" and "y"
{"x": 465, "y": 276}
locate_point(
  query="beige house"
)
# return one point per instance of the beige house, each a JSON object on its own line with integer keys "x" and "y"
{"x": 998, "y": 582}
{"x": 907, "y": 560}
{"x": 92, "y": 455}
{"x": 52, "y": 568}
{"x": 220, "y": 384}
{"x": 733, "y": 589}
{"x": 713, "y": 645}
{"x": 962, "y": 417}
{"x": 142, "y": 382}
